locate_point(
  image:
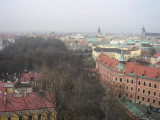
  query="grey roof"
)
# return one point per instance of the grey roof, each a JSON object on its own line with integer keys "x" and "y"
{"x": 98, "y": 49}
{"x": 77, "y": 46}
{"x": 6, "y": 85}
{"x": 116, "y": 50}
{"x": 152, "y": 34}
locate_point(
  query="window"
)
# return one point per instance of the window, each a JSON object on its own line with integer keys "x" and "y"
{"x": 39, "y": 116}
{"x": 120, "y": 79}
{"x": 156, "y": 77}
{"x": 159, "y": 94}
{"x": 131, "y": 88}
{"x": 131, "y": 95}
{"x": 20, "y": 117}
{"x": 48, "y": 116}
{"x": 149, "y": 84}
{"x": 132, "y": 81}
{"x": 116, "y": 78}
{"x": 139, "y": 82}
{"x": 159, "y": 102}
{"x": 143, "y": 98}
{"x": 148, "y": 100}
{"x": 138, "y": 97}
{"x": 143, "y": 90}
{"x": 143, "y": 75}
{"x": 144, "y": 84}
{"x": 155, "y": 86}
{"x": 126, "y": 94}
{"x": 138, "y": 89}
{"x": 154, "y": 101}
{"x": 9, "y": 118}
{"x": 30, "y": 117}
{"x": 120, "y": 86}
{"x": 154, "y": 93}
{"x": 149, "y": 92}
{"x": 127, "y": 80}
{"x": 127, "y": 87}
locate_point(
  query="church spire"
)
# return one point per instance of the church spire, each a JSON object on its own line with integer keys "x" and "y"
{"x": 143, "y": 29}
{"x": 99, "y": 32}
{"x": 121, "y": 65}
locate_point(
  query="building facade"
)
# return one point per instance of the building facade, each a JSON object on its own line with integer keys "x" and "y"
{"x": 150, "y": 35}
{"x": 115, "y": 53}
{"x": 137, "y": 83}
{"x": 19, "y": 101}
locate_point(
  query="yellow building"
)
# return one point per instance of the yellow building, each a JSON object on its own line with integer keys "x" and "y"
{"x": 115, "y": 53}
{"x": 30, "y": 115}
{"x": 30, "y": 106}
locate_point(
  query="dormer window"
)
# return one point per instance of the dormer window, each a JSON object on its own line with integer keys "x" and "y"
{"x": 143, "y": 75}
{"x": 132, "y": 70}
{"x": 157, "y": 75}
{"x": 131, "y": 73}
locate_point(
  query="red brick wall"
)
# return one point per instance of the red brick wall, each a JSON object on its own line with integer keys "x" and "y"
{"x": 112, "y": 78}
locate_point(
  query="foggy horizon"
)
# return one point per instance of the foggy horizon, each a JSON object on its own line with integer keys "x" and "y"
{"x": 123, "y": 16}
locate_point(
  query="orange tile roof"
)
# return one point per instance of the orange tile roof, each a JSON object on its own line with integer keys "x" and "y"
{"x": 110, "y": 62}
{"x": 134, "y": 67}
{"x": 32, "y": 101}
{"x": 156, "y": 55}
{"x": 149, "y": 72}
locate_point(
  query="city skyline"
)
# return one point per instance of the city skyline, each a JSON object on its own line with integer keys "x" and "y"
{"x": 121, "y": 16}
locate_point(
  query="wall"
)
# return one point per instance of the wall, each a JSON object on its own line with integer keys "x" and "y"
{"x": 15, "y": 116}
{"x": 119, "y": 82}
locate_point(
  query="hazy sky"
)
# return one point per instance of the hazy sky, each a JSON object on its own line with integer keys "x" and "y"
{"x": 115, "y": 16}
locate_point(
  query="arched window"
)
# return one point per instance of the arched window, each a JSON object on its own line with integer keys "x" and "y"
{"x": 139, "y": 82}
{"x": 132, "y": 81}
{"x": 120, "y": 79}
{"x": 144, "y": 84}
{"x": 155, "y": 86}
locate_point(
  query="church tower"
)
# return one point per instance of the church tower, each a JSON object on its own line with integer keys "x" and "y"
{"x": 121, "y": 65}
{"x": 143, "y": 31}
{"x": 99, "y": 32}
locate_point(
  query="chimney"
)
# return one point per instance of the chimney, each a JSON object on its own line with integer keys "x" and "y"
{"x": 101, "y": 50}
{"x": 5, "y": 99}
{"x": 36, "y": 75}
{"x": 25, "y": 94}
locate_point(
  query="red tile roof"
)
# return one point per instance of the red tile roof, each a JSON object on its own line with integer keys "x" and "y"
{"x": 158, "y": 63}
{"x": 149, "y": 72}
{"x": 83, "y": 42}
{"x": 32, "y": 101}
{"x": 110, "y": 62}
{"x": 26, "y": 77}
{"x": 156, "y": 55}
{"x": 134, "y": 67}
{"x": 2, "y": 89}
